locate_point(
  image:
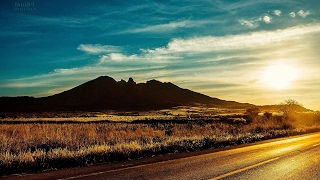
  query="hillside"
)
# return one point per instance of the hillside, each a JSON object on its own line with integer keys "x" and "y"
{"x": 105, "y": 93}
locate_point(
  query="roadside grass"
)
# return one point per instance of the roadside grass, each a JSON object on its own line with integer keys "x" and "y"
{"x": 42, "y": 146}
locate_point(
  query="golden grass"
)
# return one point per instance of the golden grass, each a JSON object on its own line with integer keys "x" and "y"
{"x": 34, "y": 147}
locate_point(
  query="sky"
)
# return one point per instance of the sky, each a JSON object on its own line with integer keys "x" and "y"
{"x": 260, "y": 52}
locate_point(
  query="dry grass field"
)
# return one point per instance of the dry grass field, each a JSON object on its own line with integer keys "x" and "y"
{"x": 37, "y": 146}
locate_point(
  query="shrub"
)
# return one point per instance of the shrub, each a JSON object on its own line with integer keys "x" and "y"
{"x": 252, "y": 113}
{"x": 267, "y": 115}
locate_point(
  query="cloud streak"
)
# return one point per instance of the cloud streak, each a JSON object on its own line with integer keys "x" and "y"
{"x": 161, "y": 27}
{"x": 98, "y": 49}
{"x": 253, "y": 40}
{"x": 170, "y": 26}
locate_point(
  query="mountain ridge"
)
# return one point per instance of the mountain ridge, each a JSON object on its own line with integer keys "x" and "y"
{"x": 105, "y": 93}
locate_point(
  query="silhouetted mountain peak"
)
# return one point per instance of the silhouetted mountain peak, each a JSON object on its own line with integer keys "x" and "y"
{"x": 131, "y": 82}
{"x": 154, "y": 82}
{"x": 91, "y": 87}
{"x": 122, "y": 82}
{"x": 104, "y": 79}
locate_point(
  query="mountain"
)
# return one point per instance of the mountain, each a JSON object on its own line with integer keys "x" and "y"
{"x": 105, "y": 93}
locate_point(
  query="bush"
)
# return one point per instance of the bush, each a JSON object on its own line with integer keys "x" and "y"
{"x": 252, "y": 113}
{"x": 267, "y": 115}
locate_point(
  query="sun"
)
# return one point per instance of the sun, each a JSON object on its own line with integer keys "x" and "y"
{"x": 279, "y": 76}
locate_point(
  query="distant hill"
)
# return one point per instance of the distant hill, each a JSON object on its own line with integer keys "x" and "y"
{"x": 297, "y": 108}
{"x": 105, "y": 93}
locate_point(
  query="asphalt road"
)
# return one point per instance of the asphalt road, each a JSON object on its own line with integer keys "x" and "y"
{"x": 286, "y": 158}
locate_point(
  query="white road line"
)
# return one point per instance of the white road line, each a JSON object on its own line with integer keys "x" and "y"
{"x": 243, "y": 169}
{"x": 316, "y": 145}
{"x": 120, "y": 169}
{"x": 102, "y": 172}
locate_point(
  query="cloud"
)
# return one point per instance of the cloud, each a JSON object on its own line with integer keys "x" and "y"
{"x": 235, "y": 42}
{"x": 161, "y": 27}
{"x": 249, "y": 23}
{"x": 267, "y": 19}
{"x": 116, "y": 57}
{"x": 98, "y": 49}
{"x": 292, "y": 14}
{"x": 171, "y": 26}
{"x": 303, "y": 13}
{"x": 277, "y": 12}
{"x": 254, "y": 23}
{"x": 37, "y": 20}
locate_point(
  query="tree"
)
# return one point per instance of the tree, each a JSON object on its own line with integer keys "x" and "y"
{"x": 289, "y": 108}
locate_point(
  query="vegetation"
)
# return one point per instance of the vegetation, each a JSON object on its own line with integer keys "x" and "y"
{"x": 34, "y": 147}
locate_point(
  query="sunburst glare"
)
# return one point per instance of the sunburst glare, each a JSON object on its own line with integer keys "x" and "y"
{"x": 280, "y": 76}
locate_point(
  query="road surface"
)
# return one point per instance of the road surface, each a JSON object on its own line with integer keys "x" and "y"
{"x": 286, "y": 158}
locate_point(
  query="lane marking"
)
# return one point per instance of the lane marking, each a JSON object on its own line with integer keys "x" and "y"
{"x": 120, "y": 169}
{"x": 102, "y": 172}
{"x": 316, "y": 145}
{"x": 243, "y": 169}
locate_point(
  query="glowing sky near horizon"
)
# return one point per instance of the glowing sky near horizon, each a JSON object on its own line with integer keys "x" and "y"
{"x": 260, "y": 52}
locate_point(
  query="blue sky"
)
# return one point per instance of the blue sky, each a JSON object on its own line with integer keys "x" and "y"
{"x": 232, "y": 50}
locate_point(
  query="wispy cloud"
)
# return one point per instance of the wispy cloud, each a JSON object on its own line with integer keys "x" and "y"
{"x": 170, "y": 26}
{"x": 254, "y": 22}
{"x": 249, "y": 23}
{"x": 277, "y": 12}
{"x": 160, "y": 27}
{"x": 236, "y": 42}
{"x": 267, "y": 19}
{"x": 292, "y": 14}
{"x": 303, "y": 13}
{"x": 25, "y": 20}
{"x": 98, "y": 49}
